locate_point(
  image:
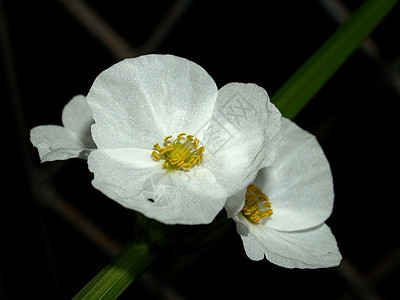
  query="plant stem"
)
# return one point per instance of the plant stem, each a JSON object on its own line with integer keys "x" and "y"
{"x": 301, "y": 87}
{"x": 110, "y": 282}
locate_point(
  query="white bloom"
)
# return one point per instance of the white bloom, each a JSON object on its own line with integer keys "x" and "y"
{"x": 69, "y": 141}
{"x": 173, "y": 146}
{"x": 299, "y": 187}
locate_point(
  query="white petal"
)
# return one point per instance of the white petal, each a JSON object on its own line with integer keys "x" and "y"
{"x": 243, "y": 135}
{"x": 312, "y": 248}
{"x": 299, "y": 182}
{"x": 130, "y": 177}
{"x": 253, "y": 247}
{"x": 76, "y": 116}
{"x": 138, "y": 102}
{"x": 74, "y": 140}
{"x": 242, "y": 227}
{"x": 58, "y": 143}
{"x": 235, "y": 203}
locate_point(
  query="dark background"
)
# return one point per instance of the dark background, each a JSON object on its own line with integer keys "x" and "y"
{"x": 48, "y": 57}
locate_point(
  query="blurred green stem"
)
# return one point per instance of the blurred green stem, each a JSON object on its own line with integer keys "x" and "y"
{"x": 110, "y": 282}
{"x": 294, "y": 95}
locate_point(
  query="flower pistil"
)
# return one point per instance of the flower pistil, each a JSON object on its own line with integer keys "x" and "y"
{"x": 181, "y": 154}
{"x": 257, "y": 205}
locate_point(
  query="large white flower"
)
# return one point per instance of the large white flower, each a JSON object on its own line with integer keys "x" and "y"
{"x": 72, "y": 140}
{"x": 173, "y": 146}
{"x": 298, "y": 189}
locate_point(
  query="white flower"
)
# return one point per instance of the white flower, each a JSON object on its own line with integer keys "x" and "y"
{"x": 69, "y": 141}
{"x": 170, "y": 144}
{"x": 298, "y": 188}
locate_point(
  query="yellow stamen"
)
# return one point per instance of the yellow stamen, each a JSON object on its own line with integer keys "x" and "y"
{"x": 181, "y": 154}
{"x": 155, "y": 155}
{"x": 257, "y": 205}
{"x": 180, "y": 136}
{"x": 167, "y": 138}
{"x": 201, "y": 150}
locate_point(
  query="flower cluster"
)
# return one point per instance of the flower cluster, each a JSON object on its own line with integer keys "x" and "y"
{"x": 232, "y": 150}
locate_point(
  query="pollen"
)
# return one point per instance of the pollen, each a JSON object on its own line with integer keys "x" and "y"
{"x": 257, "y": 205}
{"x": 180, "y": 154}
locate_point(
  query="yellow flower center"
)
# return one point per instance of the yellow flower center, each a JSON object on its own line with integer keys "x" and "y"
{"x": 257, "y": 205}
{"x": 181, "y": 154}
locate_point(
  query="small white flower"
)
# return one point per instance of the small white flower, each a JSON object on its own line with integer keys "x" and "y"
{"x": 170, "y": 144}
{"x": 69, "y": 141}
{"x": 298, "y": 188}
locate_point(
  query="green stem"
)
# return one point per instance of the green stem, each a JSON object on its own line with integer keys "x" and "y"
{"x": 110, "y": 282}
{"x": 294, "y": 95}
